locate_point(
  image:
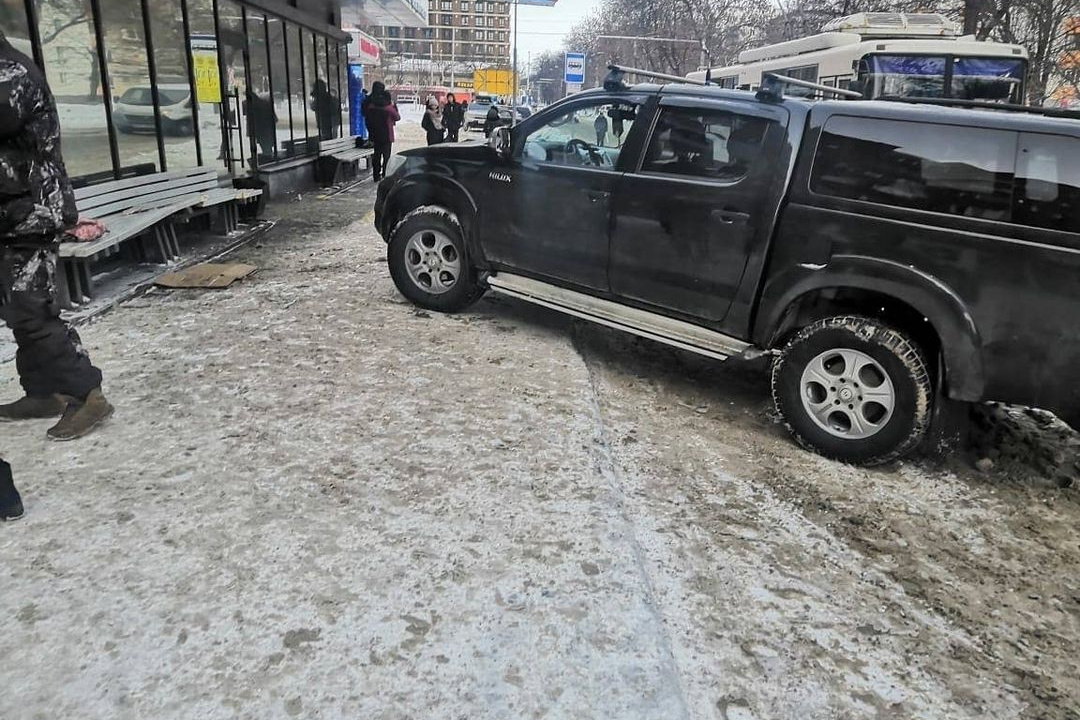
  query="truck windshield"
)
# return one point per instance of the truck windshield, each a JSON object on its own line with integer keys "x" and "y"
{"x": 999, "y": 79}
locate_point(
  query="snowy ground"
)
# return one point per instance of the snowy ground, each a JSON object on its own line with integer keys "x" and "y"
{"x": 318, "y": 501}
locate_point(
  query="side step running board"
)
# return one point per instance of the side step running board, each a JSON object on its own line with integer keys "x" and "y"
{"x": 649, "y": 325}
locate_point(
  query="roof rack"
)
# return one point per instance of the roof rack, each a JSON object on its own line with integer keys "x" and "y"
{"x": 772, "y": 87}
{"x": 615, "y": 78}
{"x": 984, "y": 105}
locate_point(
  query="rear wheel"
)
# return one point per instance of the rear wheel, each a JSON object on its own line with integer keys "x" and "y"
{"x": 429, "y": 263}
{"x": 854, "y": 389}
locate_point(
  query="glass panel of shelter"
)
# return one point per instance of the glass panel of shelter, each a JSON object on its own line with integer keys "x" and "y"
{"x": 69, "y": 53}
{"x": 171, "y": 64}
{"x": 231, "y": 41}
{"x": 204, "y": 50}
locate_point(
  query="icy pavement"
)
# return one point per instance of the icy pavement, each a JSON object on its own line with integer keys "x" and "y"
{"x": 317, "y": 501}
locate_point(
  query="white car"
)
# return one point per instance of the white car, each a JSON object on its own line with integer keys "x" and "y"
{"x": 134, "y": 110}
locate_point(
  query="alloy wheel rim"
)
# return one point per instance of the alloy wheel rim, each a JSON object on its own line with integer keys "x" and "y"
{"x": 432, "y": 261}
{"x": 847, "y": 394}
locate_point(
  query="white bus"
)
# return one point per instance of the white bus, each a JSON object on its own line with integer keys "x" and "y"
{"x": 888, "y": 54}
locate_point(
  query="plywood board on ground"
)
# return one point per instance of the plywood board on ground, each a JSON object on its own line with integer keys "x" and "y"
{"x": 206, "y": 275}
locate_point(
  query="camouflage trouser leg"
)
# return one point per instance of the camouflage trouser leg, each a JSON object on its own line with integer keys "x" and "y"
{"x": 50, "y": 358}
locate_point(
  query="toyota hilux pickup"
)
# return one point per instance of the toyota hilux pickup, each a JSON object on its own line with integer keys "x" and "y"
{"x": 888, "y": 255}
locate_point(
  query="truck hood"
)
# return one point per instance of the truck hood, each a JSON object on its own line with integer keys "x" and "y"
{"x": 474, "y": 150}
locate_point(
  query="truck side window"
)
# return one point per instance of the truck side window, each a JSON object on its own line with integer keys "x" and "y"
{"x": 1048, "y": 182}
{"x": 587, "y": 136}
{"x": 705, "y": 143}
{"x": 962, "y": 171}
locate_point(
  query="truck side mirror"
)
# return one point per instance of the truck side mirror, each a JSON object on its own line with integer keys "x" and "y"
{"x": 500, "y": 141}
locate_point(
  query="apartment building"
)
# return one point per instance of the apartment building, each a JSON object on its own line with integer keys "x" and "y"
{"x": 464, "y": 31}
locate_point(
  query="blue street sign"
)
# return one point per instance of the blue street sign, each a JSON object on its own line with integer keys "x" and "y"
{"x": 575, "y": 68}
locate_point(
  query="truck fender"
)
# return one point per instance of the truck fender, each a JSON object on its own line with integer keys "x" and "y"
{"x": 961, "y": 345}
{"x": 435, "y": 188}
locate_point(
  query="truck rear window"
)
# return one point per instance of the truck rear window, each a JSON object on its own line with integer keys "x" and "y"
{"x": 937, "y": 168}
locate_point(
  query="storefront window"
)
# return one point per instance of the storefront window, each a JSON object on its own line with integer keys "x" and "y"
{"x": 174, "y": 88}
{"x": 279, "y": 84}
{"x": 309, "y": 90}
{"x": 262, "y": 119}
{"x": 129, "y": 80}
{"x": 71, "y": 63}
{"x": 203, "y": 47}
{"x": 343, "y": 92}
{"x": 297, "y": 92}
{"x": 327, "y": 114}
{"x": 334, "y": 103}
{"x": 231, "y": 55}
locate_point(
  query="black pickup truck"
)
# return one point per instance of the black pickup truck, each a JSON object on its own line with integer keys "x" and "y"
{"x": 887, "y": 254}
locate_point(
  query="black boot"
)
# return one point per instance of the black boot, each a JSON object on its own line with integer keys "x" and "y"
{"x": 11, "y": 507}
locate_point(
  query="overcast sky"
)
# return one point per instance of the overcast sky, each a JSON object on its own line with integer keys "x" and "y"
{"x": 543, "y": 28}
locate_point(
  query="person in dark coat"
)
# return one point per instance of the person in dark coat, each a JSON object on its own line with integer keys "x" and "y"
{"x": 491, "y": 120}
{"x": 453, "y": 118}
{"x": 264, "y": 126}
{"x": 36, "y": 206}
{"x": 380, "y": 116}
{"x": 433, "y": 123}
{"x": 327, "y": 113}
{"x": 601, "y": 127}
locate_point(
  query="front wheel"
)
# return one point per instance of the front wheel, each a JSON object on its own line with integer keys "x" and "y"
{"x": 429, "y": 263}
{"x": 854, "y": 389}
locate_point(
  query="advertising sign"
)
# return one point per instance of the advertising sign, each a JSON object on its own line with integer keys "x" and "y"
{"x": 363, "y": 48}
{"x": 356, "y": 97}
{"x": 575, "y": 68}
{"x": 204, "y": 61}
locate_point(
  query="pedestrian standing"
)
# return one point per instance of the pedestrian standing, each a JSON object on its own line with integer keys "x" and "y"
{"x": 380, "y": 115}
{"x": 433, "y": 123}
{"x": 36, "y": 206}
{"x": 601, "y": 126}
{"x": 491, "y": 120}
{"x": 11, "y": 507}
{"x": 453, "y": 117}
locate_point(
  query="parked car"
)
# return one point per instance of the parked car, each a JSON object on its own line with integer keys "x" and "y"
{"x": 885, "y": 255}
{"x": 134, "y": 110}
{"x": 476, "y": 114}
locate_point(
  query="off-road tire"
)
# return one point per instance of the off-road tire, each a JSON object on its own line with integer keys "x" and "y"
{"x": 900, "y": 357}
{"x": 467, "y": 288}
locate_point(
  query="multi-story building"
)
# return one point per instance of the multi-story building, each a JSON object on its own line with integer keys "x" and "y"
{"x": 475, "y": 32}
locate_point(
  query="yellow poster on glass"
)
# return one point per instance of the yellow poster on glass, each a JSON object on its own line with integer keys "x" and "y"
{"x": 204, "y": 61}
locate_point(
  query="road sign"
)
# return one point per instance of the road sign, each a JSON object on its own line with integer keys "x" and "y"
{"x": 575, "y": 68}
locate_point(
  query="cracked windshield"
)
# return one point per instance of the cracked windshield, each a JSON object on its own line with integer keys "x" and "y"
{"x": 575, "y": 359}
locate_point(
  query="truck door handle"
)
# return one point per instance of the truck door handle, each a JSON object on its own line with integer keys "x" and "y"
{"x": 597, "y": 195}
{"x": 729, "y": 217}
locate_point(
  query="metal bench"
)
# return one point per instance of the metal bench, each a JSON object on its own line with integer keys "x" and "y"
{"x": 138, "y": 210}
{"x": 341, "y": 160}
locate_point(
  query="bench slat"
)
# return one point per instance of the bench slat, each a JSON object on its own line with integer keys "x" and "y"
{"x": 164, "y": 197}
{"x": 136, "y": 195}
{"x": 85, "y": 193}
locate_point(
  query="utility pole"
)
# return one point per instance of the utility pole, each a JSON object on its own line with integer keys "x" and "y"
{"x": 513, "y": 102}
